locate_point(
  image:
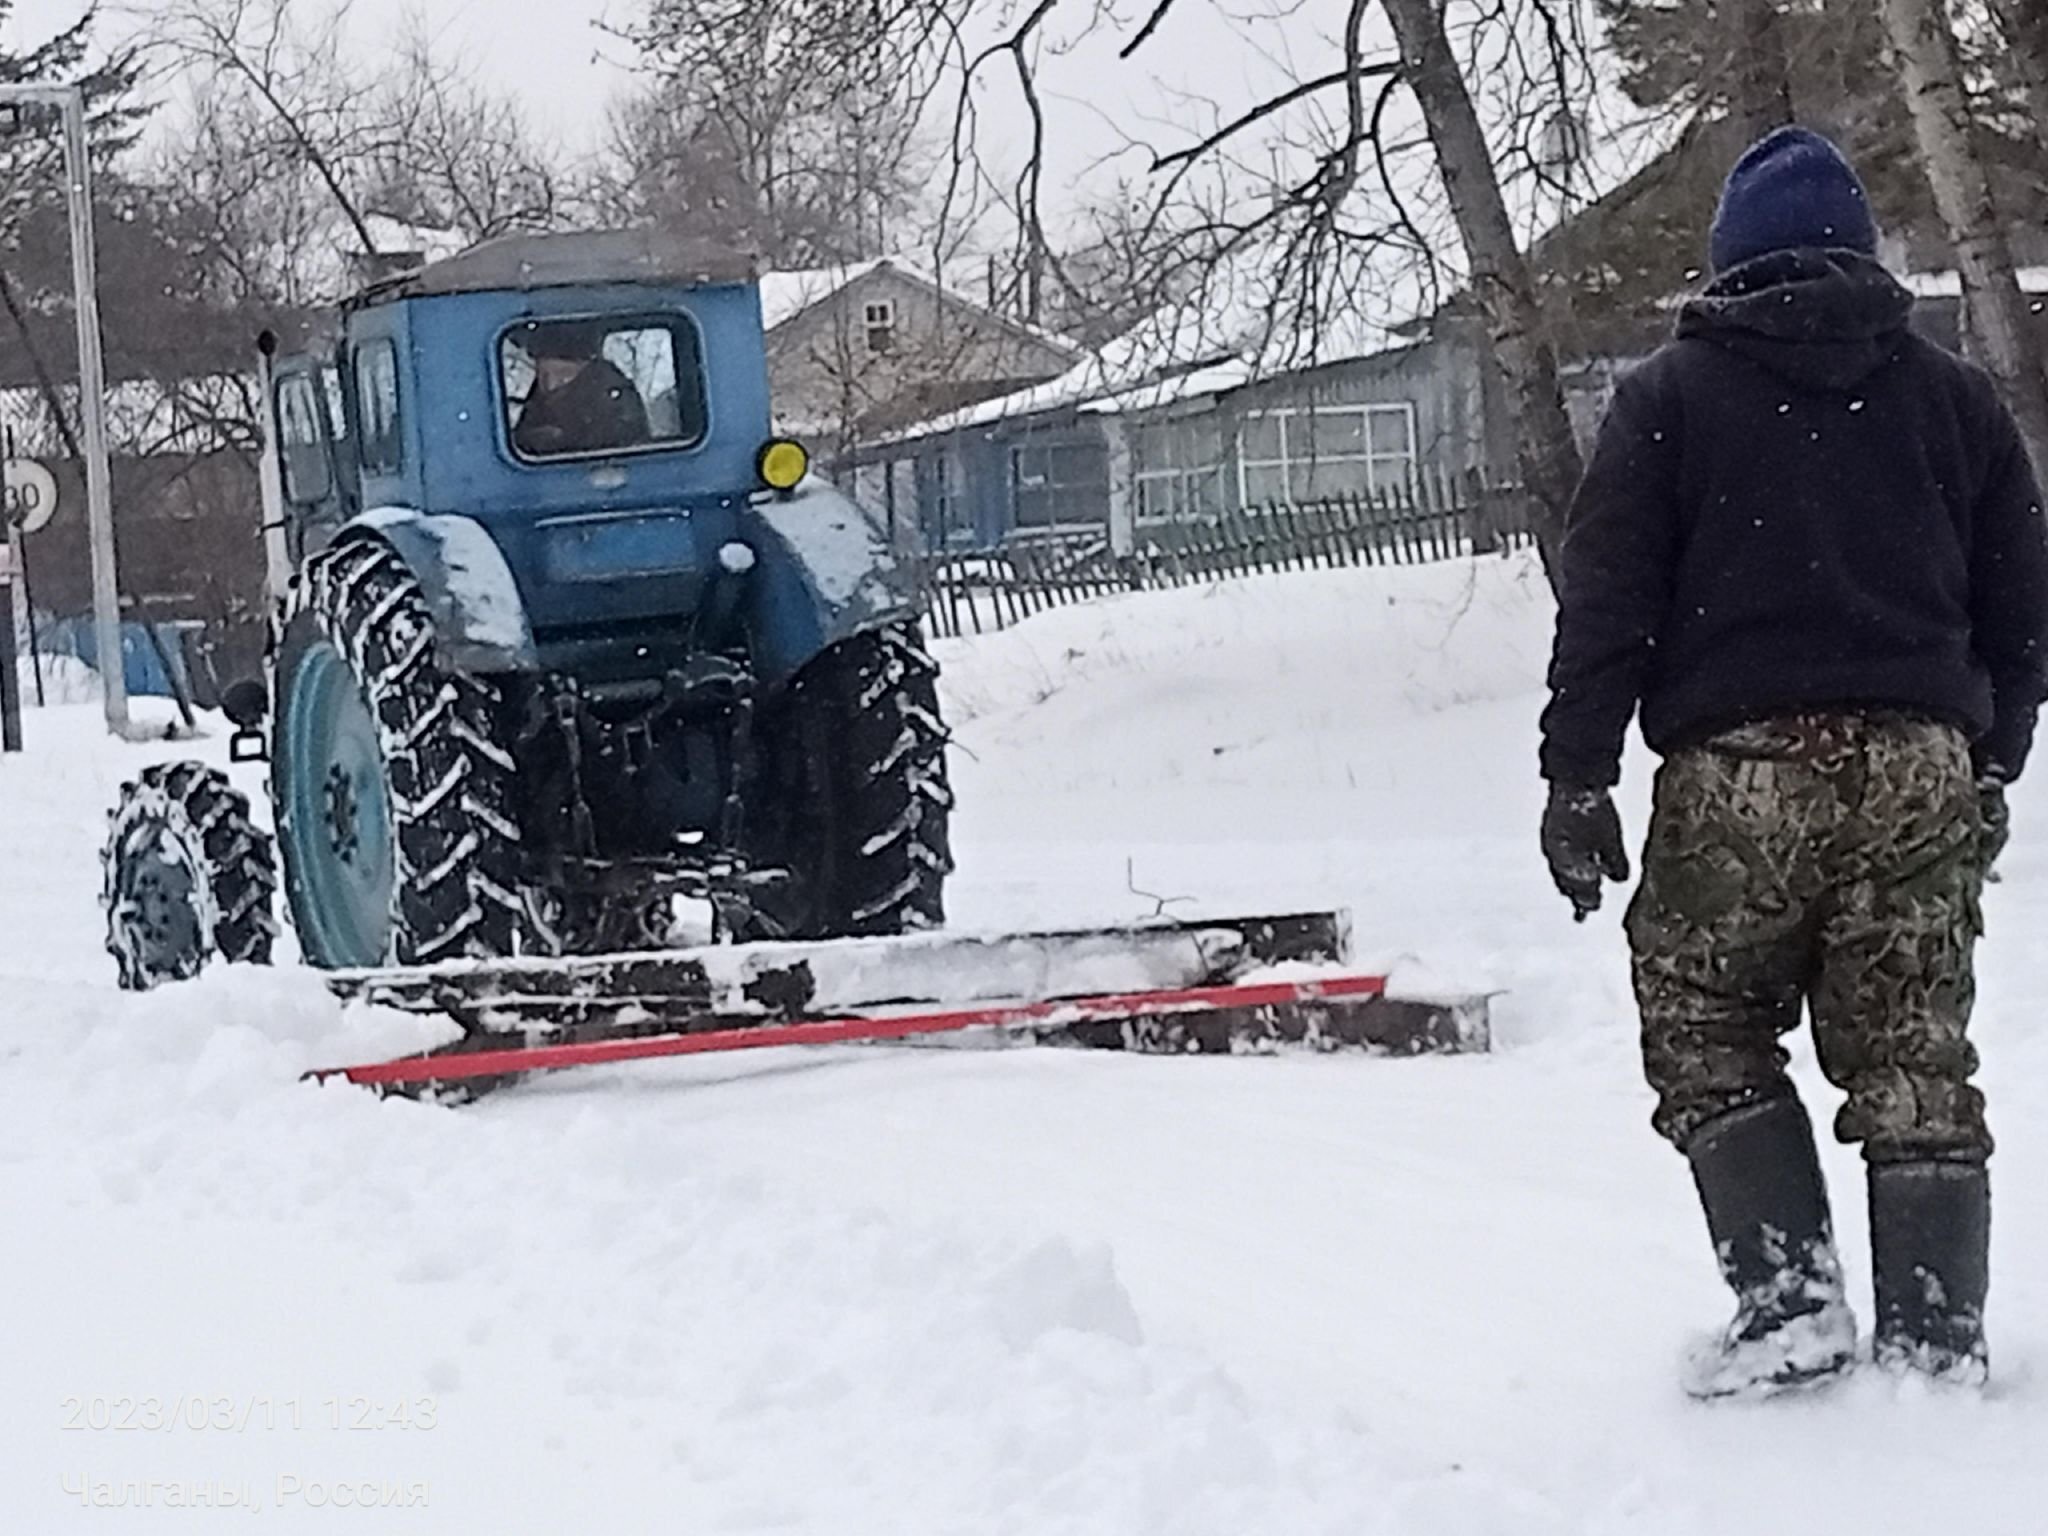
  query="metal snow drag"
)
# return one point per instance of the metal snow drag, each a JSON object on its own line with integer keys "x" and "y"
{"x": 1245, "y": 985}
{"x": 560, "y": 634}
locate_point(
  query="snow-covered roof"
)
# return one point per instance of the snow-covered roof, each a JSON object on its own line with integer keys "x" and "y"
{"x": 785, "y": 295}
{"x": 1196, "y": 384}
{"x": 1949, "y": 285}
{"x": 1234, "y": 334}
{"x": 330, "y": 262}
{"x": 434, "y": 243}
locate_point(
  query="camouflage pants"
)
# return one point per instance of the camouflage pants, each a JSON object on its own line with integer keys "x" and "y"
{"x": 1833, "y": 860}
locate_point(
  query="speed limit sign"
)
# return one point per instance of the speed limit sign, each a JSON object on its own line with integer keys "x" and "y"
{"x": 28, "y": 494}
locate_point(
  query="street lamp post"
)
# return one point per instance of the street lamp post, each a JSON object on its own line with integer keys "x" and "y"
{"x": 69, "y": 101}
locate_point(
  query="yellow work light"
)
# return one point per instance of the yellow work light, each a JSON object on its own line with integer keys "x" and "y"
{"x": 782, "y": 464}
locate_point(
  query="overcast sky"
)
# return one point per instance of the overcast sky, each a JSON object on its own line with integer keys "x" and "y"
{"x": 545, "y": 51}
{"x": 550, "y": 54}
{"x": 1207, "y": 63}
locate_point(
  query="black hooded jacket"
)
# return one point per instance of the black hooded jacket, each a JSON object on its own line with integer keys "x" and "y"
{"x": 597, "y": 411}
{"x": 1799, "y": 504}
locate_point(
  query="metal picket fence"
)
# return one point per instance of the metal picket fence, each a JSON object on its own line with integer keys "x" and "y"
{"x": 1438, "y": 518}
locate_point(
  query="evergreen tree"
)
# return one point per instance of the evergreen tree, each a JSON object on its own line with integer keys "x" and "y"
{"x": 1731, "y": 70}
{"x": 35, "y": 269}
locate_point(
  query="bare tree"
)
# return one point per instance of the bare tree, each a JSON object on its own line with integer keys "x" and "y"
{"x": 294, "y": 70}
{"x": 292, "y": 154}
{"x": 1310, "y": 189}
{"x": 1545, "y": 449}
{"x": 460, "y": 156}
{"x": 303, "y": 141}
{"x": 260, "y": 217}
{"x": 1995, "y": 310}
{"x": 790, "y": 124}
{"x": 834, "y": 197}
{"x": 1121, "y": 264}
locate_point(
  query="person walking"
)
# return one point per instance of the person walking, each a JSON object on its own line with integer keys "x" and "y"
{"x": 1809, "y": 547}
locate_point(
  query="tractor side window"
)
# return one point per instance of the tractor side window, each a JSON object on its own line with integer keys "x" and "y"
{"x": 302, "y": 445}
{"x": 379, "y": 449}
{"x": 337, "y": 408}
{"x": 580, "y": 387}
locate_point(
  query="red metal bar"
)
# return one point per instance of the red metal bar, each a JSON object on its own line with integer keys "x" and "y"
{"x": 458, "y": 1065}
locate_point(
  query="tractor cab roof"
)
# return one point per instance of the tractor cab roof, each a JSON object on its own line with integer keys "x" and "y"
{"x": 582, "y": 259}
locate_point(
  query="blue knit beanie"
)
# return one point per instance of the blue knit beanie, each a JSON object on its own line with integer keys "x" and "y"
{"x": 1790, "y": 189}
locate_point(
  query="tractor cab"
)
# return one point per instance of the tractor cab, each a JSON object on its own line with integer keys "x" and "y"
{"x": 568, "y": 434}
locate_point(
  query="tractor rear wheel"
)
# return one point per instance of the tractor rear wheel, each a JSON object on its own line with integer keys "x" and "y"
{"x": 394, "y": 791}
{"x": 187, "y": 877}
{"x": 854, "y": 798}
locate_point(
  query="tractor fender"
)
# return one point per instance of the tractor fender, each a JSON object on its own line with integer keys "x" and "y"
{"x": 480, "y": 622}
{"x": 824, "y": 571}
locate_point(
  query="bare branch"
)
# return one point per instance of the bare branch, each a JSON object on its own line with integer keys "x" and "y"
{"x": 1151, "y": 25}
{"x": 1269, "y": 108}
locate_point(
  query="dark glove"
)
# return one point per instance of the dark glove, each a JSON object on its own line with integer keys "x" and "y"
{"x": 1582, "y": 842}
{"x": 1996, "y": 823}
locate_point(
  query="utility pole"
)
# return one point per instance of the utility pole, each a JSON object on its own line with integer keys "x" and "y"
{"x": 69, "y": 101}
{"x": 10, "y": 673}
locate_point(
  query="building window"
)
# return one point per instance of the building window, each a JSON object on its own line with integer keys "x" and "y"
{"x": 878, "y": 320}
{"x": 378, "y": 445}
{"x": 1059, "y": 484}
{"x": 1178, "y": 468}
{"x": 1317, "y": 453}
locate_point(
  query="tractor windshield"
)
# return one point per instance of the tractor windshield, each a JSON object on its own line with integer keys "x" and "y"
{"x": 581, "y": 387}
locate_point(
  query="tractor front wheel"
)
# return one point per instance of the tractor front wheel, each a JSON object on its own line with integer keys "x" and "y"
{"x": 187, "y": 877}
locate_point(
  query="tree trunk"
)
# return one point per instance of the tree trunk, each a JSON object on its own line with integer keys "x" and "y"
{"x": 1995, "y": 311}
{"x": 2024, "y": 25}
{"x": 1545, "y": 451}
{"x": 1763, "y": 72}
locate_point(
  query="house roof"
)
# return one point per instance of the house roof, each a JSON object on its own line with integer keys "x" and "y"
{"x": 786, "y": 295}
{"x": 435, "y": 244}
{"x": 1236, "y": 333}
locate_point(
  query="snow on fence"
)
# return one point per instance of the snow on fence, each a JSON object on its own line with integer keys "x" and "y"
{"x": 1438, "y": 518}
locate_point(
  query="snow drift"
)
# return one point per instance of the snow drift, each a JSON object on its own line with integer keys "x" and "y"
{"x": 924, "y": 1290}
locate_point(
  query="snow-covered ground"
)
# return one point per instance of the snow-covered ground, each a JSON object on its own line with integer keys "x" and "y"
{"x": 902, "y": 1291}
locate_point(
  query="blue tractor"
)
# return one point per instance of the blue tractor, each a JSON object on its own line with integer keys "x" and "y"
{"x": 562, "y": 633}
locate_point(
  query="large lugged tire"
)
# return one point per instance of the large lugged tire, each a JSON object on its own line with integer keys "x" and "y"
{"x": 187, "y": 877}
{"x": 395, "y": 795}
{"x": 856, "y": 798}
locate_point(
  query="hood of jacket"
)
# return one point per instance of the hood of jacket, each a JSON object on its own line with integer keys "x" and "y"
{"x": 1822, "y": 319}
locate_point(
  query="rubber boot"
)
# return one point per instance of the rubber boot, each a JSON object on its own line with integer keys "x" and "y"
{"x": 1767, "y": 1209}
{"x": 1930, "y": 1253}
